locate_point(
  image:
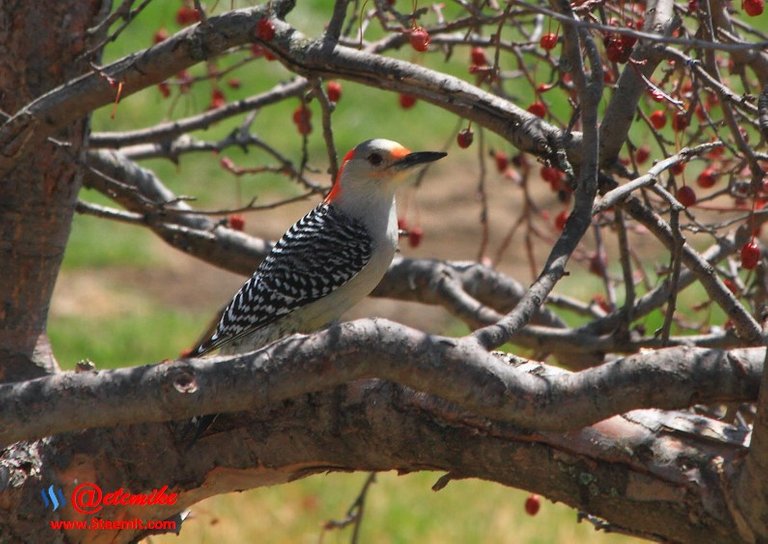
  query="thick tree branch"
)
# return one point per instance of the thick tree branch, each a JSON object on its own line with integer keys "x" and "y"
{"x": 624, "y": 470}
{"x": 453, "y": 369}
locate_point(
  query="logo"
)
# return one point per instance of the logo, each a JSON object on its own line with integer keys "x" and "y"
{"x": 88, "y": 498}
{"x": 53, "y": 497}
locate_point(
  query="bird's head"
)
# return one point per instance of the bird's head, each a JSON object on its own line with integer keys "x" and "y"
{"x": 376, "y": 168}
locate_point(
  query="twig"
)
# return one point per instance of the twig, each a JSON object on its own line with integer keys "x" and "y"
{"x": 354, "y": 515}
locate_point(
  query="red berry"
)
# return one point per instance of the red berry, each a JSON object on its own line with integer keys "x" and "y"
{"x": 265, "y": 30}
{"x": 302, "y": 114}
{"x": 161, "y": 35}
{"x": 548, "y": 41}
{"x": 544, "y": 87}
{"x": 257, "y": 50}
{"x": 478, "y": 56}
{"x": 613, "y": 49}
{"x": 165, "y": 90}
{"x": 707, "y": 178}
{"x": 618, "y": 48}
{"x": 502, "y": 161}
{"x": 658, "y": 119}
{"x": 686, "y": 196}
{"x": 333, "y": 88}
{"x": 656, "y": 95}
{"x": 750, "y": 255}
{"x": 602, "y": 303}
{"x": 187, "y": 15}
{"x": 304, "y": 128}
{"x": 753, "y": 8}
{"x": 677, "y": 168}
{"x": 414, "y": 236}
{"x": 642, "y": 154}
{"x": 419, "y": 39}
{"x": 407, "y": 101}
{"x": 236, "y": 221}
{"x": 560, "y": 220}
{"x": 597, "y": 264}
{"x": 532, "y": 504}
{"x": 465, "y": 137}
{"x": 234, "y": 83}
{"x": 680, "y": 121}
{"x": 551, "y": 175}
{"x": 538, "y": 109}
{"x": 731, "y": 285}
{"x": 627, "y": 41}
{"x": 301, "y": 118}
{"x": 217, "y": 99}
{"x": 700, "y": 115}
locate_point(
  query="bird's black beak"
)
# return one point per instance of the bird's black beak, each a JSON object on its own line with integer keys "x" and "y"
{"x": 417, "y": 158}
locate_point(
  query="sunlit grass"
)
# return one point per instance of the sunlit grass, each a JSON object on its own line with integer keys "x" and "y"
{"x": 399, "y": 510}
{"x": 135, "y": 338}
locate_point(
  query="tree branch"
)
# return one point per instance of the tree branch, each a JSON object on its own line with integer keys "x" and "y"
{"x": 453, "y": 369}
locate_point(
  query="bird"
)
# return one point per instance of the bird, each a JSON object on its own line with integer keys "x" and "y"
{"x": 328, "y": 260}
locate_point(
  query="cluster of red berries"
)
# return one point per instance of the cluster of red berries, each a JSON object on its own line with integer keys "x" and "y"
{"x": 618, "y": 47}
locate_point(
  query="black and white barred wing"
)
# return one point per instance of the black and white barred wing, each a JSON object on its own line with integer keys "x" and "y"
{"x": 318, "y": 254}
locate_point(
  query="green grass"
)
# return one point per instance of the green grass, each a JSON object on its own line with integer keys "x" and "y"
{"x": 135, "y": 338}
{"x": 399, "y": 510}
{"x": 98, "y": 243}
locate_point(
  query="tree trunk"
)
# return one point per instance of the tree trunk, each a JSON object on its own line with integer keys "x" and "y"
{"x": 40, "y": 48}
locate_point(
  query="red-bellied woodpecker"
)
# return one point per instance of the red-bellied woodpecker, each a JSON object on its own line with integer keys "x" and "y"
{"x": 328, "y": 260}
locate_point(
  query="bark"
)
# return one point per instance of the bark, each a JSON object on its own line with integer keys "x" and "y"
{"x": 454, "y": 369}
{"x": 37, "y": 190}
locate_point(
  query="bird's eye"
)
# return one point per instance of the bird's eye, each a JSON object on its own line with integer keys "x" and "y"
{"x": 375, "y": 159}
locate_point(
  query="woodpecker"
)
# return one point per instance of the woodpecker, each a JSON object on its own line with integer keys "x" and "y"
{"x": 328, "y": 260}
